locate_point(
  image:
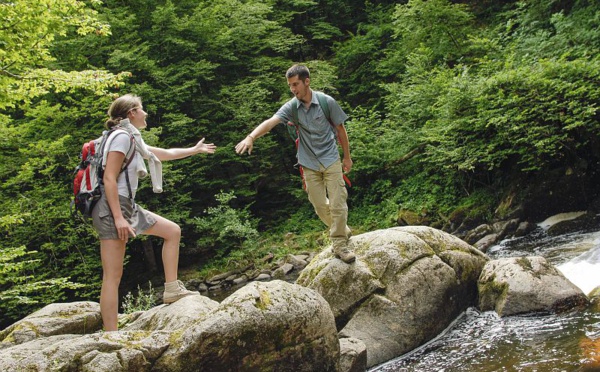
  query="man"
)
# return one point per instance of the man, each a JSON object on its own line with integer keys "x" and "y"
{"x": 317, "y": 154}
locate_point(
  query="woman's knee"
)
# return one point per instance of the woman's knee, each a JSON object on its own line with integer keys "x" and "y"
{"x": 112, "y": 275}
{"x": 164, "y": 228}
{"x": 176, "y": 233}
{"x": 171, "y": 230}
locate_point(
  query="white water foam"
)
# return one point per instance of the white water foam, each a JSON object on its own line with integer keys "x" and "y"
{"x": 552, "y": 220}
{"x": 584, "y": 270}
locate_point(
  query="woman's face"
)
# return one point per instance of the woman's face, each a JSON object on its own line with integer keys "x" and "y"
{"x": 137, "y": 117}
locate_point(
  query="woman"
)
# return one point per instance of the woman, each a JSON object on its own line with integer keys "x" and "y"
{"x": 117, "y": 218}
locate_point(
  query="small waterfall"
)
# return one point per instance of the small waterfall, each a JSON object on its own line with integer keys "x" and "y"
{"x": 584, "y": 270}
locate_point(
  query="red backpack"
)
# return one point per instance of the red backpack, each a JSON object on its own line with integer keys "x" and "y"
{"x": 88, "y": 174}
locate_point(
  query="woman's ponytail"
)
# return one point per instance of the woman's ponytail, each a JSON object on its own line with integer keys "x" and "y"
{"x": 120, "y": 108}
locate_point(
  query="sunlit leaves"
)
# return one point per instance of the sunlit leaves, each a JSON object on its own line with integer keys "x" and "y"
{"x": 29, "y": 27}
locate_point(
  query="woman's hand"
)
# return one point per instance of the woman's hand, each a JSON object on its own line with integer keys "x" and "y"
{"x": 204, "y": 148}
{"x": 124, "y": 229}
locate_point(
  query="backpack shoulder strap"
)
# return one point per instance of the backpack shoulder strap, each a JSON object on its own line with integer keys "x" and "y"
{"x": 295, "y": 111}
{"x": 324, "y": 106}
{"x": 131, "y": 153}
{"x": 108, "y": 137}
{"x": 292, "y": 125}
{"x": 322, "y": 102}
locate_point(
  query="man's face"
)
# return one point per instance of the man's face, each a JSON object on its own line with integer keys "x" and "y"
{"x": 299, "y": 87}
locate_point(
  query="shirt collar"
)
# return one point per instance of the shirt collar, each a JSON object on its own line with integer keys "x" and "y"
{"x": 313, "y": 100}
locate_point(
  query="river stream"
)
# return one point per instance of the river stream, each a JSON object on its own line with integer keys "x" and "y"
{"x": 484, "y": 342}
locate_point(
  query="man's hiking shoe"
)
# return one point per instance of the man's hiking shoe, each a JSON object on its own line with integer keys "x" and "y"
{"x": 342, "y": 252}
{"x": 175, "y": 291}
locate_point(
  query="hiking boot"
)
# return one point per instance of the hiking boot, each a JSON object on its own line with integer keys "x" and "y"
{"x": 175, "y": 291}
{"x": 341, "y": 251}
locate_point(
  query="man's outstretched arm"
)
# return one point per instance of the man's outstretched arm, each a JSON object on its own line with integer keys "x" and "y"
{"x": 263, "y": 128}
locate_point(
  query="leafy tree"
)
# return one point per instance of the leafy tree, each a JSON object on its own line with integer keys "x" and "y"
{"x": 547, "y": 29}
{"x": 23, "y": 286}
{"x": 359, "y": 57}
{"x": 497, "y": 116}
{"x": 28, "y": 30}
{"x": 437, "y": 25}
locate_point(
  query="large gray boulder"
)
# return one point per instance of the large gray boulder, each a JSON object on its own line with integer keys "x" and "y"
{"x": 54, "y": 319}
{"x": 519, "y": 285}
{"x": 406, "y": 286}
{"x": 274, "y": 326}
{"x": 109, "y": 351}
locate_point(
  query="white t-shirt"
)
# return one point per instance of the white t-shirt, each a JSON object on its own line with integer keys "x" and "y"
{"x": 121, "y": 142}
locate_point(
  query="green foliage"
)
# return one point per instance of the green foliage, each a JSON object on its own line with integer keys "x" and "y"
{"x": 545, "y": 29}
{"x": 35, "y": 159}
{"x": 466, "y": 112}
{"x": 36, "y": 175}
{"x": 365, "y": 127}
{"x": 143, "y": 301}
{"x": 23, "y": 288}
{"x": 29, "y": 29}
{"x": 225, "y": 228}
{"x": 302, "y": 232}
{"x": 439, "y": 25}
{"x": 527, "y": 118}
{"x": 358, "y": 57}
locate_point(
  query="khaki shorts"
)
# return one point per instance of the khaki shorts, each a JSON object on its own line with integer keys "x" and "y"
{"x": 104, "y": 223}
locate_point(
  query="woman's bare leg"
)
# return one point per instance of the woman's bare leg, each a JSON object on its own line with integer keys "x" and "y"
{"x": 171, "y": 233}
{"x": 112, "y": 253}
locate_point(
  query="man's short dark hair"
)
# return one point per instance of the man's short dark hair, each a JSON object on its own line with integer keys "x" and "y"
{"x": 298, "y": 70}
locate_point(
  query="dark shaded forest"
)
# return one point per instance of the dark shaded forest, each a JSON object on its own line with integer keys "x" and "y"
{"x": 460, "y": 112}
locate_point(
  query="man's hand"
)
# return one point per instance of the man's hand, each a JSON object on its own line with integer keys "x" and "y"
{"x": 245, "y": 145}
{"x": 347, "y": 165}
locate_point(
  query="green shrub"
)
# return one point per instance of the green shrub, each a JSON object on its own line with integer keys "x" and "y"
{"x": 224, "y": 228}
{"x": 143, "y": 301}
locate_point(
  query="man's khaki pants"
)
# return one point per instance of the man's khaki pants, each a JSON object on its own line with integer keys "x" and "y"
{"x": 327, "y": 193}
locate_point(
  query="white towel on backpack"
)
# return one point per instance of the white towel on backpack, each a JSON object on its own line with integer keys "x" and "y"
{"x": 154, "y": 163}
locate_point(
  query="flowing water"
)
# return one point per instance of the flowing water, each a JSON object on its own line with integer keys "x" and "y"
{"x": 484, "y": 342}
